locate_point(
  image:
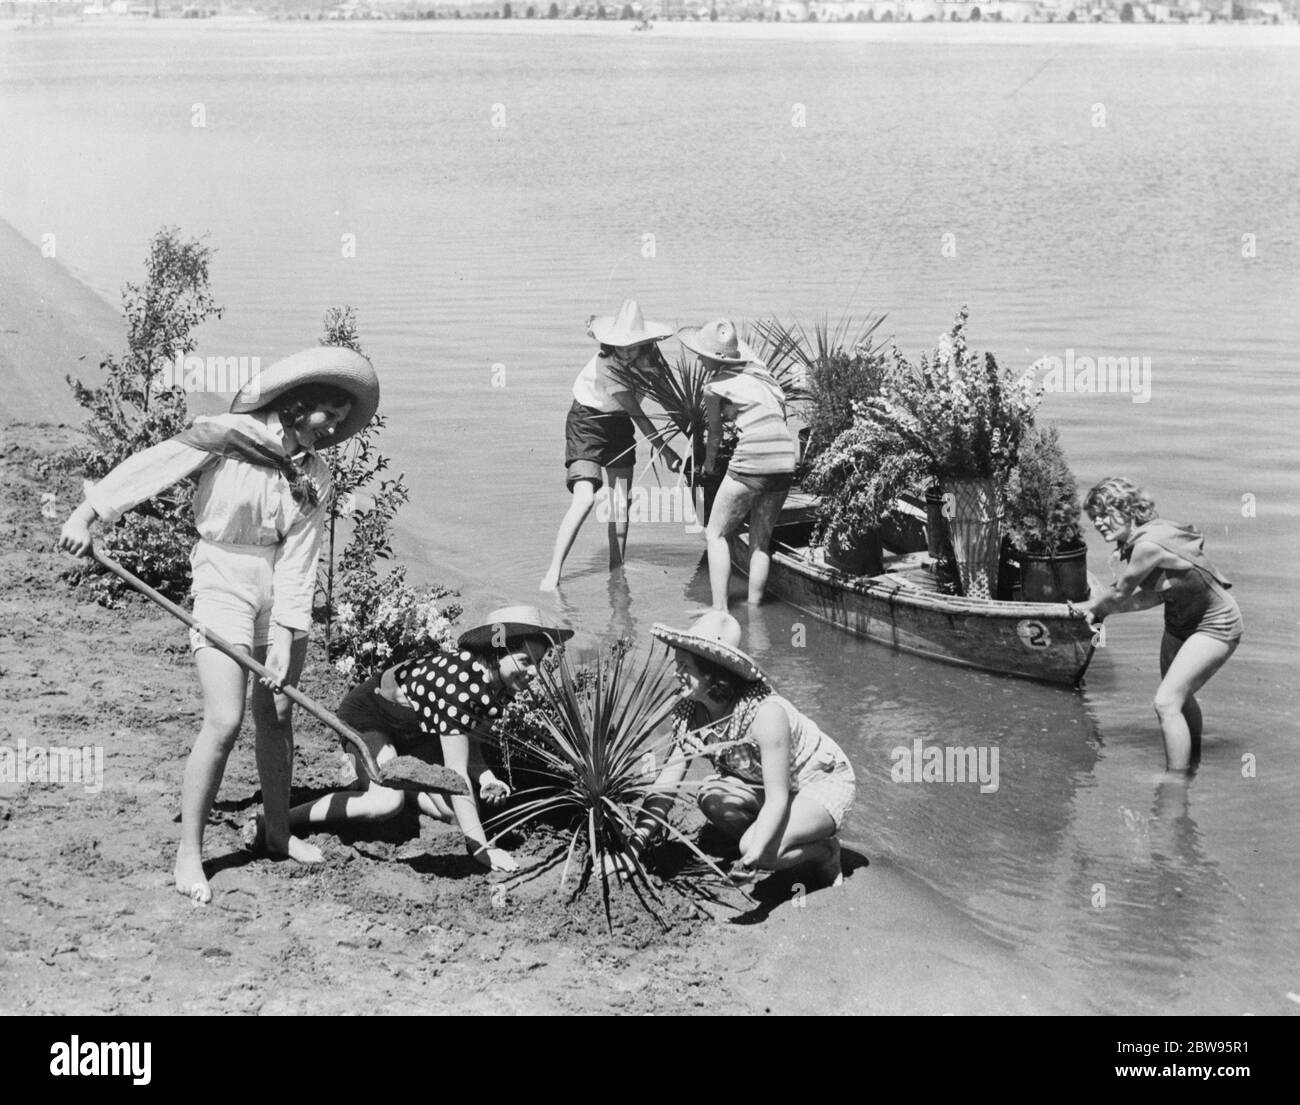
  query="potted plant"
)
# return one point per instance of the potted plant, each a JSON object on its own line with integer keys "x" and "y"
{"x": 956, "y": 419}
{"x": 838, "y": 370}
{"x": 1042, "y": 519}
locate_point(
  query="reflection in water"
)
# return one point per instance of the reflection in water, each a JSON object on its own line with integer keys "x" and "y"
{"x": 621, "y": 622}
{"x": 1154, "y": 902}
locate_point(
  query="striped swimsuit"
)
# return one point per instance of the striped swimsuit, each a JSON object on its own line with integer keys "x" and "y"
{"x": 766, "y": 446}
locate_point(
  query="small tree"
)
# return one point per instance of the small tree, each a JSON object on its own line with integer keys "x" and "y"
{"x": 381, "y": 619}
{"x": 1126, "y": 13}
{"x": 140, "y": 405}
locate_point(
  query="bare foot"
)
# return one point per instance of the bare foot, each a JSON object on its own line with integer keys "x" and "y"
{"x": 549, "y": 583}
{"x": 302, "y": 852}
{"x": 830, "y": 871}
{"x": 254, "y": 838}
{"x": 190, "y": 879}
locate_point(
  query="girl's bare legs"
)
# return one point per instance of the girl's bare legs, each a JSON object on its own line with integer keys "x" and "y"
{"x": 584, "y": 495}
{"x": 1184, "y": 668}
{"x": 729, "y": 510}
{"x": 731, "y": 807}
{"x": 620, "y": 501}
{"x": 273, "y": 718}
{"x": 763, "y": 516}
{"x": 809, "y": 835}
{"x": 224, "y": 685}
{"x": 374, "y": 803}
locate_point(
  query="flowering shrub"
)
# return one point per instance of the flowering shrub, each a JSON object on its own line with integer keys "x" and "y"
{"x": 371, "y": 621}
{"x": 955, "y": 415}
{"x": 386, "y": 621}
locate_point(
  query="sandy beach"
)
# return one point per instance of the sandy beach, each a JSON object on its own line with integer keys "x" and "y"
{"x": 397, "y": 919}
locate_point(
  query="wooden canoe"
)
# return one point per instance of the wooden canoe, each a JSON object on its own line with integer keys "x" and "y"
{"x": 903, "y": 608}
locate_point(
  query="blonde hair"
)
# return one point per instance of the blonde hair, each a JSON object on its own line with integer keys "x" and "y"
{"x": 1117, "y": 495}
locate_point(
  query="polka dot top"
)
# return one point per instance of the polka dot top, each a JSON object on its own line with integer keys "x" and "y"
{"x": 449, "y": 691}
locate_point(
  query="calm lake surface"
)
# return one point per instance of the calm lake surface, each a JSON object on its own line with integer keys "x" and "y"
{"x": 1098, "y": 186}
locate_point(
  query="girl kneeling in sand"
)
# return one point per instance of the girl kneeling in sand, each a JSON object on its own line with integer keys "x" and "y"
{"x": 782, "y": 786}
{"x": 258, "y": 509}
{"x": 1164, "y": 562}
{"x": 450, "y": 696}
{"x": 598, "y": 431}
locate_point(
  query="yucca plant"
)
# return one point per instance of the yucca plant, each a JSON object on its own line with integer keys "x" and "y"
{"x": 678, "y": 390}
{"x": 593, "y": 741}
{"x": 793, "y": 351}
{"x": 830, "y": 369}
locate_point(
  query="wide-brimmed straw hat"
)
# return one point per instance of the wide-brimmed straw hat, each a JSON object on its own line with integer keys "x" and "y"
{"x": 628, "y": 327}
{"x": 509, "y": 623}
{"x": 335, "y": 365}
{"x": 713, "y": 637}
{"x": 718, "y": 341}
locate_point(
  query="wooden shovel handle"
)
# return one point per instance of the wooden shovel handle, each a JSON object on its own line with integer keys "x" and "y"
{"x": 341, "y": 727}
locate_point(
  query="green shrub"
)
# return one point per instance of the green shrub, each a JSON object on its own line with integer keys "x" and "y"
{"x": 1042, "y": 498}
{"x": 372, "y": 620}
{"x": 137, "y": 407}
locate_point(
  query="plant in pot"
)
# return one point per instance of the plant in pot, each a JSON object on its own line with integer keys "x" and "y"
{"x": 1042, "y": 520}
{"x": 839, "y": 368}
{"x": 678, "y": 390}
{"x": 957, "y": 419}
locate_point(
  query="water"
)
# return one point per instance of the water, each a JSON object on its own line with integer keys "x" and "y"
{"x": 479, "y": 246}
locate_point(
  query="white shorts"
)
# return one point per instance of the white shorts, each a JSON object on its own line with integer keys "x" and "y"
{"x": 232, "y": 592}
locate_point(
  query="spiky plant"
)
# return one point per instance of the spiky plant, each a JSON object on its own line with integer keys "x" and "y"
{"x": 678, "y": 391}
{"x": 593, "y": 740}
{"x": 793, "y": 352}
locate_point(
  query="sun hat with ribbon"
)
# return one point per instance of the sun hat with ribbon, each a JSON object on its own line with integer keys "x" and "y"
{"x": 323, "y": 364}
{"x": 718, "y": 341}
{"x": 509, "y": 623}
{"x": 628, "y": 327}
{"x": 713, "y": 637}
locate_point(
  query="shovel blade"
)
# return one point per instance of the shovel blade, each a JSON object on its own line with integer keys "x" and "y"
{"x": 411, "y": 773}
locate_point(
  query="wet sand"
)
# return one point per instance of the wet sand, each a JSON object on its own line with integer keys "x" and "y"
{"x": 397, "y": 919}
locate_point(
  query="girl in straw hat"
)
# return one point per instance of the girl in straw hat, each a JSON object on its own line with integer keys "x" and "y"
{"x": 761, "y": 469}
{"x": 781, "y": 786}
{"x": 453, "y": 697}
{"x": 258, "y": 510}
{"x": 598, "y": 431}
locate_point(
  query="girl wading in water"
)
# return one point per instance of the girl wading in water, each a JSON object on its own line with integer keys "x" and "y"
{"x": 782, "y": 786}
{"x": 1163, "y": 562}
{"x": 761, "y": 469}
{"x": 598, "y": 431}
{"x": 450, "y": 697}
{"x": 259, "y": 511}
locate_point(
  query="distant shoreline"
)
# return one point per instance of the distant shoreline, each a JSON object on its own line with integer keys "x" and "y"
{"x": 984, "y": 32}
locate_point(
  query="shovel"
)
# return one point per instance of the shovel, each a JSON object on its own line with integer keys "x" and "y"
{"x": 400, "y": 773}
